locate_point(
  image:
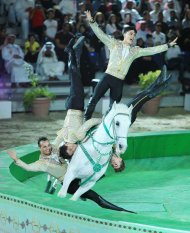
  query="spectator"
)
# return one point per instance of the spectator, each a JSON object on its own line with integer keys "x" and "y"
{"x": 143, "y": 31}
{"x": 48, "y": 66}
{"x": 82, "y": 8}
{"x": 129, "y": 8}
{"x": 163, "y": 24}
{"x": 173, "y": 56}
{"x": 62, "y": 39}
{"x": 144, "y": 6}
{"x": 171, "y": 6}
{"x": 80, "y": 19}
{"x": 159, "y": 37}
{"x": 32, "y": 48}
{"x": 112, "y": 25}
{"x": 37, "y": 18}
{"x": 173, "y": 22}
{"x": 149, "y": 23}
{"x": 154, "y": 13}
{"x": 184, "y": 7}
{"x": 100, "y": 20}
{"x": 186, "y": 20}
{"x": 14, "y": 61}
{"x": 50, "y": 25}
{"x": 127, "y": 20}
{"x": 68, "y": 7}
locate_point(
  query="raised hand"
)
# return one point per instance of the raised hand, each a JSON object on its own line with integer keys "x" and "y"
{"x": 88, "y": 15}
{"x": 12, "y": 154}
{"x": 173, "y": 43}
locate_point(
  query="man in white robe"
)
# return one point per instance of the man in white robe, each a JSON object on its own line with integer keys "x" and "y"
{"x": 15, "y": 65}
{"x": 48, "y": 66}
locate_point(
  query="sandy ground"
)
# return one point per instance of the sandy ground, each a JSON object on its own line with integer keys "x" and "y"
{"x": 24, "y": 128}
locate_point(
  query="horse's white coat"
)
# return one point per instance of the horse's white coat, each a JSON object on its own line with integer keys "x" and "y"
{"x": 117, "y": 121}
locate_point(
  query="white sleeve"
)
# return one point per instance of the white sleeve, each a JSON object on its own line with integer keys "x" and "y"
{"x": 34, "y": 167}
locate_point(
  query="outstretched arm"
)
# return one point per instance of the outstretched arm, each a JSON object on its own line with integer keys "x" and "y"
{"x": 156, "y": 49}
{"x": 107, "y": 40}
{"x": 173, "y": 43}
{"x": 29, "y": 167}
{"x": 12, "y": 155}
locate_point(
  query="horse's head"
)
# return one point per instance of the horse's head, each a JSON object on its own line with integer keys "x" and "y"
{"x": 118, "y": 121}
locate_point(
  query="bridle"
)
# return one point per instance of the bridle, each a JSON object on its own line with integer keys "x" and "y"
{"x": 115, "y": 137}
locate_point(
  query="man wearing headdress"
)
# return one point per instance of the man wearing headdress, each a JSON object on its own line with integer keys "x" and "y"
{"x": 48, "y": 65}
{"x": 13, "y": 57}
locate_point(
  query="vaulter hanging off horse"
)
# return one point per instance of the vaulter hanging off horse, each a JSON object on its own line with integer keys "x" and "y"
{"x": 74, "y": 130}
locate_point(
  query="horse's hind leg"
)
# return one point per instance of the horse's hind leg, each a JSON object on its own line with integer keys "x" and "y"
{"x": 69, "y": 176}
{"x": 82, "y": 189}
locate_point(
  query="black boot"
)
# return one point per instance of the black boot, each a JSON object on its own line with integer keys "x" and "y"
{"x": 70, "y": 45}
{"x": 89, "y": 110}
{"x": 152, "y": 91}
{"x": 78, "y": 49}
{"x": 157, "y": 89}
{"x": 161, "y": 78}
{"x": 107, "y": 205}
{"x": 48, "y": 186}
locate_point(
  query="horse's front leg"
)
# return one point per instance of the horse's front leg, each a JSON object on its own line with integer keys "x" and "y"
{"x": 82, "y": 189}
{"x": 69, "y": 176}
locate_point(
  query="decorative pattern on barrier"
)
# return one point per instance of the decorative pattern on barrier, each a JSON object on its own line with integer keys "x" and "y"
{"x": 27, "y": 223}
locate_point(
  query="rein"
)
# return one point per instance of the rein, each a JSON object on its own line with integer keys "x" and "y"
{"x": 115, "y": 137}
{"x": 96, "y": 165}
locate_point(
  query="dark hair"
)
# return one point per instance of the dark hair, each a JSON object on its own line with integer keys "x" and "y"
{"x": 63, "y": 152}
{"x": 42, "y": 139}
{"x": 121, "y": 168}
{"x": 127, "y": 28}
{"x": 110, "y": 17}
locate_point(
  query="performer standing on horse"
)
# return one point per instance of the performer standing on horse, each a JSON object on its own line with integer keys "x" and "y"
{"x": 122, "y": 54}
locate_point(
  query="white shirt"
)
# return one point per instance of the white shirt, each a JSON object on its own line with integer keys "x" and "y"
{"x": 142, "y": 34}
{"x": 154, "y": 16}
{"x": 51, "y": 27}
{"x": 173, "y": 52}
{"x": 68, "y": 6}
{"x": 158, "y": 39}
{"x": 110, "y": 29}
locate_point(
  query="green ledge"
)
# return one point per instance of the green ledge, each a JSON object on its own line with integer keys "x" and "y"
{"x": 155, "y": 184}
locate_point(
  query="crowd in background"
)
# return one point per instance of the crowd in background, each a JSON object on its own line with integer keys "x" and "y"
{"x": 45, "y": 27}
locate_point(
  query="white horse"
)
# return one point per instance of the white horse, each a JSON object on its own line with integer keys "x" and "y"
{"x": 92, "y": 157}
